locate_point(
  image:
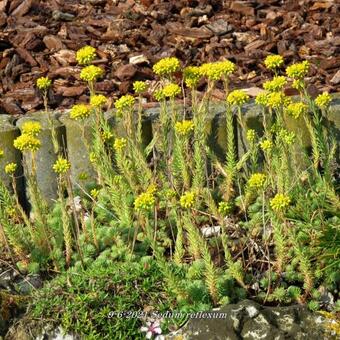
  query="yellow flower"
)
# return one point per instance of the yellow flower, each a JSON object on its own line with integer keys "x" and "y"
{"x": 280, "y": 202}
{"x": 159, "y": 95}
{"x": 83, "y": 176}
{"x": 277, "y": 99}
{"x": 1, "y": 153}
{"x": 124, "y": 103}
{"x": 91, "y": 73}
{"x": 273, "y": 61}
{"x": 237, "y": 97}
{"x": 61, "y": 165}
{"x": 107, "y": 135}
{"x": 31, "y": 128}
{"x": 152, "y": 188}
{"x": 298, "y": 70}
{"x": 11, "y": 212}
{"x": 10, "y": 168}
{"x": 286, "y": 136}
{"x": 27, "y": 142}
{"x": 92, "y": 157}
{"x": 119, "y": 144}
{"x": 266, "y": 145}
{"x": 225, "y": 208}
{"x": 251, "y": 135}
{"x": 184, "y": 127}
{"x": 140, "y": 86}
{"x": 298, "y": 84}
{"x": 94, "y": 193}
{"x": 98, "y": 100}
{"x": 86, "y": 55}
{"x": 276, "y": 84}
{"x": 43, "y": 83}
{"x": 187, "y": 200}
{"x": 215, "y": 71}
{"x": 323, "y": 100}
{"x": 80, "y": 111}
{"x": 257, "y": 181}
{"x": 171, "y": 90}
{"x": 166, "y": 66}
{"x": 297, "y": 109}
{"x": 262, "y": 99}
{"x": 144, "y": 201}
{"x": 192, "y": 75}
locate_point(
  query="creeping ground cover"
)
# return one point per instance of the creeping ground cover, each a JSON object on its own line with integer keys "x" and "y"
{"x": 170, "y": 224}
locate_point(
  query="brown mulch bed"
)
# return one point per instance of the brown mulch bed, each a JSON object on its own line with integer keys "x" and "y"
{"x": 39, "y": 38}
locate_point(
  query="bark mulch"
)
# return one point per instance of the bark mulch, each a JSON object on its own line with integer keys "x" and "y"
{"x": 39, "y": 38}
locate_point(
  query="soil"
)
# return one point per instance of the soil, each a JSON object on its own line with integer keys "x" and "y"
{"x": 39, "y": 38}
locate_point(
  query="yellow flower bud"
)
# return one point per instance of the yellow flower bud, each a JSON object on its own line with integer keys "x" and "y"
{"x": 10, "y": 168}
{"x": 187, "y": 200}
{"x": 61, "y": 165}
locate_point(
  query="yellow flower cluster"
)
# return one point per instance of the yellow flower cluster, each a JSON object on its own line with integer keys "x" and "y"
{"x": 94, "y": 193}
{"x": 286, "y": 136}
{"x": 107, "y": 135}
{"x": 159, "y": 95}
{"x": 166, "y": 66}
{"x": 27, "y": 143}
{"x": 144, "y": 201}
{"x": 187, "y": 200}
{"x": 86, "y": 55}
{"x": 171, "y": 90}
{"x": 298, "y": 70}
{"x": 297, "y": 110}
{"x": 266, "y": 145}
{"x": 192, "y": 75}
{"x": 262, "y": 99}
{"x": 273, "y": 61}
{"x": 280, "y": 202}
{"x": 323, "y": 100}
{"x": 80, "y": 111}
{"x": 298, "y": 84}
{"x": 225, "y": 208}
{"x": 10, "y": 168}
{"x": 43, "y": 83}
{"x": 92, "y": 157}
{"x": 276, "y": 84}
{"x": 184, "y": 127}
{"x": 11, "y": 212}
{"x": 251, "y": 135}
{"x": 98, "y": 100}
{"x": 237, "y": 97}
{"x": 61, "y": 165}
{"x": 31, "y": 128}
{"x": 215, "y": 71}
{"x": 277, "y": 99}
{"x": 91, "y": 73}
{"x": 140, "y": 86}
{"x": 1, "y": 153}
{"x": 152, "y": 188}
{"x": 256, "y": 181}
{"x": 124, "y": 103}
{"x": 83, "y": 176}
{"x": 119, "y": 144}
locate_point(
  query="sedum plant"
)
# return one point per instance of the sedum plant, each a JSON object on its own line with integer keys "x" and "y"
{"x": 213, "y": 228}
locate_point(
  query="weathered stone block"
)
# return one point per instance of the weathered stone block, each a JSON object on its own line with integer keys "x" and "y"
{"x": 8, "y": 132}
